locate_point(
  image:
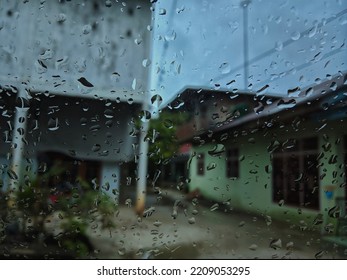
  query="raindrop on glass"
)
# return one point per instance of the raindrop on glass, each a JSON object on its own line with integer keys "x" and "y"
{"x": 145, "y": 116}
{"x": 211, "y": 166}
{"x": 96, "y": 148}
{"x": 61, "y": 18}
{"x": 85, "y": 82}
{"x": 162, "y": 12}
{"x": 168, "y": 123}
{"x": 53, "y": 124}
{"x": 146, "y": 62}
{"x": 128, "y": 202}
{"x": 86, "y": 29}
{"x": 295, "y": 35}
{"x": 13, "y": 175}
{"x": 276, "y": 244}
{"x": 214, "y": 207}
{"x": 108, "y": 113}
{"x": 121, "y": 251}
{"x": 156, "y": 100}
{"x": 224, "y": 68}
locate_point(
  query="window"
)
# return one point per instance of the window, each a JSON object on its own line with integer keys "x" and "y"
{"x": 295, "y": 173}
{"x": 201, "y": 164}
{"x": 233, "y": 168}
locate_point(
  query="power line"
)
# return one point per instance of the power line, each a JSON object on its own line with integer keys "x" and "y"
{"x": 285, "y": 44}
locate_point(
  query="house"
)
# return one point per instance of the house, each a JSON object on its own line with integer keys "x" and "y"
{"x": 284, "y": 158}
{"x": 72, "y": 78}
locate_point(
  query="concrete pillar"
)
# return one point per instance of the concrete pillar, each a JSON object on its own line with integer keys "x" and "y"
{"x": 18, "y": 141}
{"x": 142, "y": 170}
{"x": 110, "y": 179}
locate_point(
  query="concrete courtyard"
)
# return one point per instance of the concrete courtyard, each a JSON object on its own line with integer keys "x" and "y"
{"x": 175, "y": 228}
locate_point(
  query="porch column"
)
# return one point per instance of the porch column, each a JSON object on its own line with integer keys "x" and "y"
{"x": 110, "y": 179}
{"x": 142, "y": 170}
{"x": 18, "y": 142}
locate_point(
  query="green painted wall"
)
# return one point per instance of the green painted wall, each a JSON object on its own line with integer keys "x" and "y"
{"x": 252, "y": 191}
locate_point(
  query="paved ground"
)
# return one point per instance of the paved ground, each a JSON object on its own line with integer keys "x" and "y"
{"x": 201, "y": 231}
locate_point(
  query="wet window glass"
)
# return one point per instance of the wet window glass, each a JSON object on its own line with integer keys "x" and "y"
{"x": 151, "y": 129}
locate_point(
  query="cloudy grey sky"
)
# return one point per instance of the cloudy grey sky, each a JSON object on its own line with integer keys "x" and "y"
{"x": 292, "y": 43}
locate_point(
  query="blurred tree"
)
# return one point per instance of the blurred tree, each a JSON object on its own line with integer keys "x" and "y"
{"x": 163, "y": 144}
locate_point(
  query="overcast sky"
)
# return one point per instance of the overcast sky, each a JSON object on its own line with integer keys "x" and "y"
{"x": 292, "y": 43}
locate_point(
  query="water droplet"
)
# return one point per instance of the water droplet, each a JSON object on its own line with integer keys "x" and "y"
{"x": 157, "y": 223}
{"x": 146, "y": 62}
{"x": 333, "y": 86}
{"x": 274, "y": 145}
{"x": 312, "y": 31}
{"x": 133, "y": 85}
{"x": 128, "y": 202}
{"x": 318, "y": 220}
{"x": 96, "y": 148}
{"x": 83, "y": 121}
{"x": 211, "y": 166}
{"x": 318, "y": 56}
{"x": 170, "y": 36}
{"x": 253, "y": 247}
{"x": 40, "y": 67}
{"x": 262, "y": 90}
{"x": 156, "y": 99}
{"x": 84, "y": 82}
{"x": 281, "y": 202}
{"x": 319, "y": 255}
{"x": 121, "y": 251}
{"x": 42, "y": 167}
{"x": 224, "y": 68}
{"x": 214, "y": 207}
{"x": 268, "y": 169}
{"x": 279, "y": 46}
{"x": 13, "y": 175}
{"x": 276, "y": 244}
{"x": 162, "y": 12}
{"x": 86, "y": 29}
{"x": 217, "y": 150}
{"x": 95, "y": 128}
{"x": 53, "y": 124}
{"x": 145, "y": 116}
{"x": 326, "y": 147}
{"x": 148, "y": 212}
{"x": 174, "y": 212}
{"x": 295, "y": 35}
{"x": 286, "y": 104}
{"x": 108, "y": 3}
{"x": 108, "y": 113}
{"x": 191, "y": 220}
{"x": 61, "y": 18}
{"x": 138, "y": 41}
{"x": 334, "y": 212}
{"x": 180, "y": 10}
{"x": 268, "y": 220}
{"x": 168, "y": 123}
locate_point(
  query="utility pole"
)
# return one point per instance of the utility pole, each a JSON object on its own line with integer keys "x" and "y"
{"x": 244, "y": 6}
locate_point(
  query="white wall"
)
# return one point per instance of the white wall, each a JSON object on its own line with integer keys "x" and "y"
{"x": 53, "y": 44}
{"x": 110, "y": 179}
